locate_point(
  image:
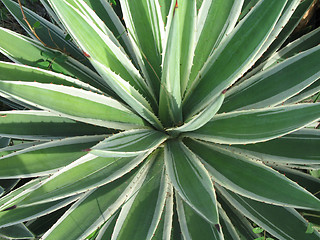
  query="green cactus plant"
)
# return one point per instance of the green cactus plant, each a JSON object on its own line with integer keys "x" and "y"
{"x": 159, "y": 119}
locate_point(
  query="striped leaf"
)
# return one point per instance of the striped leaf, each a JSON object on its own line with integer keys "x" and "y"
{"x": 37, "y": 125}
{"x": 77, "y": 177}
{"x": 234, "y": 172}
{"x": 191, "y": 180}
{"x": 252, "y": 126}
{"x": 281, "y": 222}
{"x": 140, "y": 216}
{"x": 276, "y": 84}
{"x": 233, "y": 57}
{"x": 95, "y": 207}
{"x": 45, "y": 158}
{"x": 129, "y": 143}
{"x": 74, "y": 103}
{"x": 193, "y": 226}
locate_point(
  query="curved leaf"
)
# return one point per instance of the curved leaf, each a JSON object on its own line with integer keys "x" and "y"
{"x": 191, "y": 180}
{"x": 233, "y": 57}
{"x": 300, "y": 147}
{"x": 95, "y": 208}
{"x": 251, "y": 179}
{"x": 45, "y": 158}
{"x": 43, "y": 125}
{"x": 74, "y": 103}
{"x": 252, "y": 126}
{"x": 281, "y": 222}
{"x": 193, "y": 226}
{"x": 276, "y": 84}
{"x": 84, "y": 174}
{"x": 140, "y": 217}
{"x": 129, "y": 143}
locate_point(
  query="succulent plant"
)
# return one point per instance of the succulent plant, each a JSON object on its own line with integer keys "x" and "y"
{"x": 159, "y": 119}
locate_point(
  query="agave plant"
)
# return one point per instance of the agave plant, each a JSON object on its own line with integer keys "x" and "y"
{"x": 159, "y": 119}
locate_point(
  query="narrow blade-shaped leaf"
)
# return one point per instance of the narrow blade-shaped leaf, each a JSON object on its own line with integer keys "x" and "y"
{"x": 201, "y": 118}
{"x": 22, "y": 214}
{"x": 191, "y": 180}
{"x": 129, "y": 143}
{"x": 24, "y": 50}
{"x": 38, "y": 125}
{"x": 18, "y": 231}
{"x": 193, "y": 226}
{"x": 143, "y": 216}
{"x": 16, "y": 72}
{"x": 281, "y": 222}
{"x": 50, "y": 34}
{"x": 84, "y": 174}
{"x": 74, "y": 103}
{"x": 252, "y": 126}
{"x": 170, "y": 92}
{"x": 233, "y": 57}
{"x": 216, "y": 18}
{"x": 45, "y": 158}
{"x": 144, "y": 22}
{"x": 300, "y": 147}
{"x": 248, "y": 178}
{"x": 188, "y": 23}
{"x": 95, "y": 207}
{"x": 276, "y": 84}
{"x": 129, "y": 94}
{"x": 96, "y": 43}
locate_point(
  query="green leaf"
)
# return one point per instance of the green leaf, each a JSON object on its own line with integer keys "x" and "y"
{"x": 188, "y": 22}
{"x": 228, "y": 229}
{"x": 242, "y": 225}
{"x": 281, "y": 222}
{"x": 277, "y": 35}
{"x": 235, "y": 173}
{"x": 78, "y": 177}
{"x": 191, "y": 180}
{"x": 43, "y": 125}
{"x": 107, "y": 229}
{"x": 304, "y": 94}
{"x": 108, "y": 15}
{"x": 164, "y": 228}
{"x": 45, "y": 158}
{"x": 13, "y": 197}
{"x": 95, "y": 207}
{"x": 165, "y": 7}
{"x": 289, "y": 27}
{"x": 129, "y": 94}
{"x": 129, "y": 143}
{"x": 18, "y": 231}
{"x": 75, "y": 103}
{"x": 170, "y": 93}
{"x": 201, "y": 118}
{"x": 216, "y": 18}
{"x": 140, "y": 216}
{"x": 15, "y": 72}
{"x": 310, "y": 228}
{"x": 23, "y": 214}
{"x": 193, "y": 225}
{"x": 96, "y": 43}
{"x": 257, "y": 230}
{"x": 247, "y": 6}
{"x": 145, "y": 26}
{"x": 252, "y": 126}
{"x": 50, "y": 34}
{"x": 300, "y": 147}
{"x": 30, "y": 52}
{"x": 233, "y": 57}
{"x": 276, "y": 84}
